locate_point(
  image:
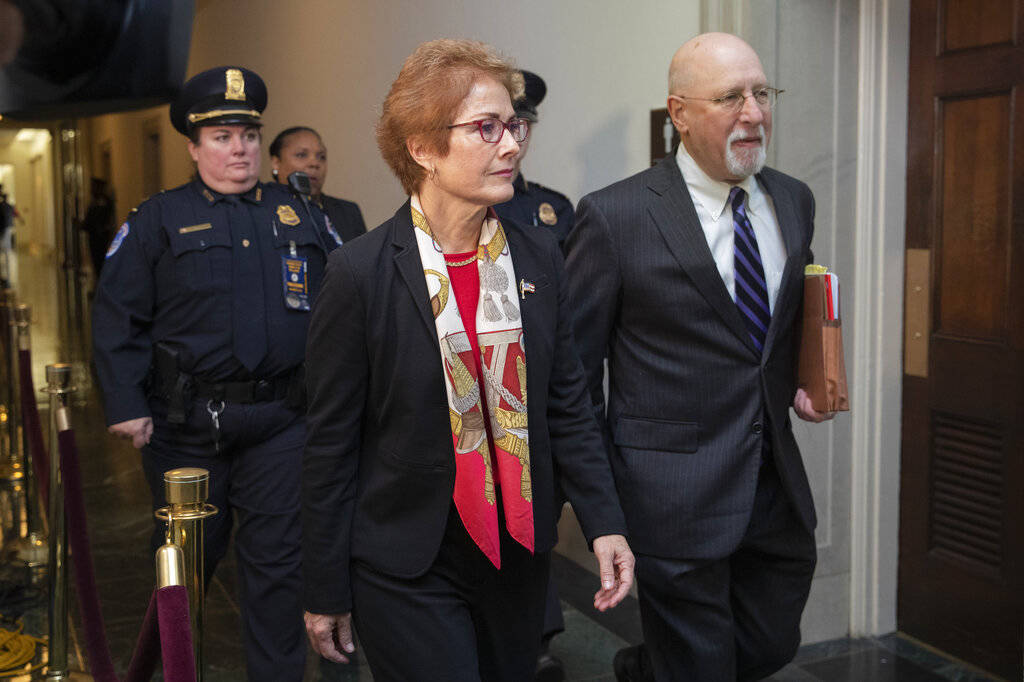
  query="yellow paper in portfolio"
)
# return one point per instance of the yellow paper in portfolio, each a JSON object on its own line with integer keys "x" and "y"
{"x": 822, "y": 369}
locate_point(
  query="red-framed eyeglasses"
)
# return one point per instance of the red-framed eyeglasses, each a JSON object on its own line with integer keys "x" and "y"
{"x": 491, "y": 129}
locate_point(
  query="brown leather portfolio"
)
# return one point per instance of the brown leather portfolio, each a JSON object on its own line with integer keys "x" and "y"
{"x": 822, "y": 370}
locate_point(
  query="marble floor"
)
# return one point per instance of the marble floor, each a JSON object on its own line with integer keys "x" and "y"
{"x": 118, "y": 506}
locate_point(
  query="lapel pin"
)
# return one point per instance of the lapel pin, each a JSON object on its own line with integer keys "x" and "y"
{"x": 526, "y": 288}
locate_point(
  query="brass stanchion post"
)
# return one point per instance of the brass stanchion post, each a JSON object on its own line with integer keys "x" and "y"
{"x": 5, "y": 371}
{"x": 58, "y": 385}
{"x": 170, "y": 566}
{"x": 32, "y": 549}
{"x": 12, "y": 475}
{"x": 187, "y": 490}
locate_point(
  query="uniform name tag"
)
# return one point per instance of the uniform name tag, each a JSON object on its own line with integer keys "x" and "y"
{"x": 296, "y": 284}
{"x": 195, "y": 228}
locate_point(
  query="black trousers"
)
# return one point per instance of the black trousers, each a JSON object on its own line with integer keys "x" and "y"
{"x": 254, "y": 481}
{"x": 462, "y": 621}
{"x": 735, "y": 618}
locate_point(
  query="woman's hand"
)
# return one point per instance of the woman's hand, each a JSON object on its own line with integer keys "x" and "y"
{"x": 615, "y": 563}
{"x": 330, "y": 634}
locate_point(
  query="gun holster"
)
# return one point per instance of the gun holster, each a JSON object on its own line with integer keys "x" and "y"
{"x": 173, "y": 385}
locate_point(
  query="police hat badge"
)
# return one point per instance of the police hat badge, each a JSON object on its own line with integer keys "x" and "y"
{"x": 226, "y": 95}
{"x": 534, "y": 90}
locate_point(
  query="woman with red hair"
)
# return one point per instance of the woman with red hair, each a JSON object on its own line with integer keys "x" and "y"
{"x": 445, "y": 391}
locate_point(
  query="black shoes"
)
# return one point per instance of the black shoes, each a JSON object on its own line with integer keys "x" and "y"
{"x": 633, "y": 664}
{"x": 549, "y": 669}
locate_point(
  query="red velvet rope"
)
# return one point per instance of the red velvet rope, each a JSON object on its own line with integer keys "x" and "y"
{"x": 166, "y": 627}
{"x": 147, "y": 647}
{"x": 85, "y": 579}
{"x": 175, "y": 635}
{"x": 33, "y": 427}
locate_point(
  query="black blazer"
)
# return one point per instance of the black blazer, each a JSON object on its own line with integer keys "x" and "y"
{"x": 690, "y": 399}
{"x": 345, "y": 216}
{"x": 379, "y": 467}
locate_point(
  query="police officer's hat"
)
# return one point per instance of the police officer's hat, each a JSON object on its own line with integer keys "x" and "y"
{"x": 535, "y": 89}
{"x": 224, "y": 95}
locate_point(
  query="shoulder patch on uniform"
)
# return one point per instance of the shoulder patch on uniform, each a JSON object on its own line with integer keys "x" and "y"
{"x": 286, "y": 214}
{"x": 115, "y": 244}
{"x": 331, "y": 231}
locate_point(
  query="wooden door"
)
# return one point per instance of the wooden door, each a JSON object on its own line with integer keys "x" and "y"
{"x": 961, "y": 564}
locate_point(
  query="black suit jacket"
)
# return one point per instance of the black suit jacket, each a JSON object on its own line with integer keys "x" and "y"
{"x": 379, "y": 467}
{"x": 345, "y": 216}
{"x": 690, "y": 399}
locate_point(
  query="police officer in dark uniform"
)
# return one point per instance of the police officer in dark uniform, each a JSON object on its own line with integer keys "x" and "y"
{"x": 532, "y": 203}
{"x": 199, "y": 326}
{"x": 300, "y": 148}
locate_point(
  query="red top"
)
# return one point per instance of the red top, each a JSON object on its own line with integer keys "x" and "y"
{"x": 465, "y": 281}
{"x": 478, "y": 516}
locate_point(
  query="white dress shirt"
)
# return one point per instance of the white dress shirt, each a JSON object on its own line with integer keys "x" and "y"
{"x": 711, "y": 199}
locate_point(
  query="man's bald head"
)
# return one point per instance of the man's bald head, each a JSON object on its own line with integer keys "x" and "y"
{"x": 691, "y": 63}
{"x": 719, "y": 102}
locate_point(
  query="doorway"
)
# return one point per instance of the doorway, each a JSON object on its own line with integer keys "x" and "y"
{"x": 961, "y": 568}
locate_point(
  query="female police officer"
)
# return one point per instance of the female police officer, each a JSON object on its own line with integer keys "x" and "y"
{"x": 199, "y": 326}
{"x": 301, "y": 149}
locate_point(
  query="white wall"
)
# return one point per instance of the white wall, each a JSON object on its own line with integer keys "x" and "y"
{"x": 605, "y": 64}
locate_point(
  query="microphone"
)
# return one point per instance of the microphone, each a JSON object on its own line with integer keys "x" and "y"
{"x": 299, "y": 182}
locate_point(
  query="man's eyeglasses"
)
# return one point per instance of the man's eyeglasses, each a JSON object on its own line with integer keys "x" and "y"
{"x": 491, "y": 129}
{"x": 733, "y": 102}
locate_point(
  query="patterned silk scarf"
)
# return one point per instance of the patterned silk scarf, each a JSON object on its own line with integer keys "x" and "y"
{"x": 502, "y": 360}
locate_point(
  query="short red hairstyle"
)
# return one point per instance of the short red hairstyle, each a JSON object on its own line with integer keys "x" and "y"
{"x": 429, "y": 90}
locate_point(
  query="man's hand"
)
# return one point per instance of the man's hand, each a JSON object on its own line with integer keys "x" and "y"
{"x": 329, "y": 634}
{"x": 805, "y": 410}
{"x": 615, "y": 563}
{"x": 138, "y": 430}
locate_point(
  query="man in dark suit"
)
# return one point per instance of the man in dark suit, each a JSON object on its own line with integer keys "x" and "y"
{"x": 688, "y": 278}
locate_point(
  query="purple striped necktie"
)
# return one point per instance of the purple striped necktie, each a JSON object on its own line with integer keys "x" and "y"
{"x": 751, "y": 288}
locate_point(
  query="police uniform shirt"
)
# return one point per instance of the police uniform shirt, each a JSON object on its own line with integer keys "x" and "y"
{"x": 534, "y": 204}
{"x": 170, "y": 275}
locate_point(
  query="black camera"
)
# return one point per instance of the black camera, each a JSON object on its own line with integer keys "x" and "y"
{"x": 88, "y": 57}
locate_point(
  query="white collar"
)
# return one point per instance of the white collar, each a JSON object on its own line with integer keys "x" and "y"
{"x": 713, "y": 195}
